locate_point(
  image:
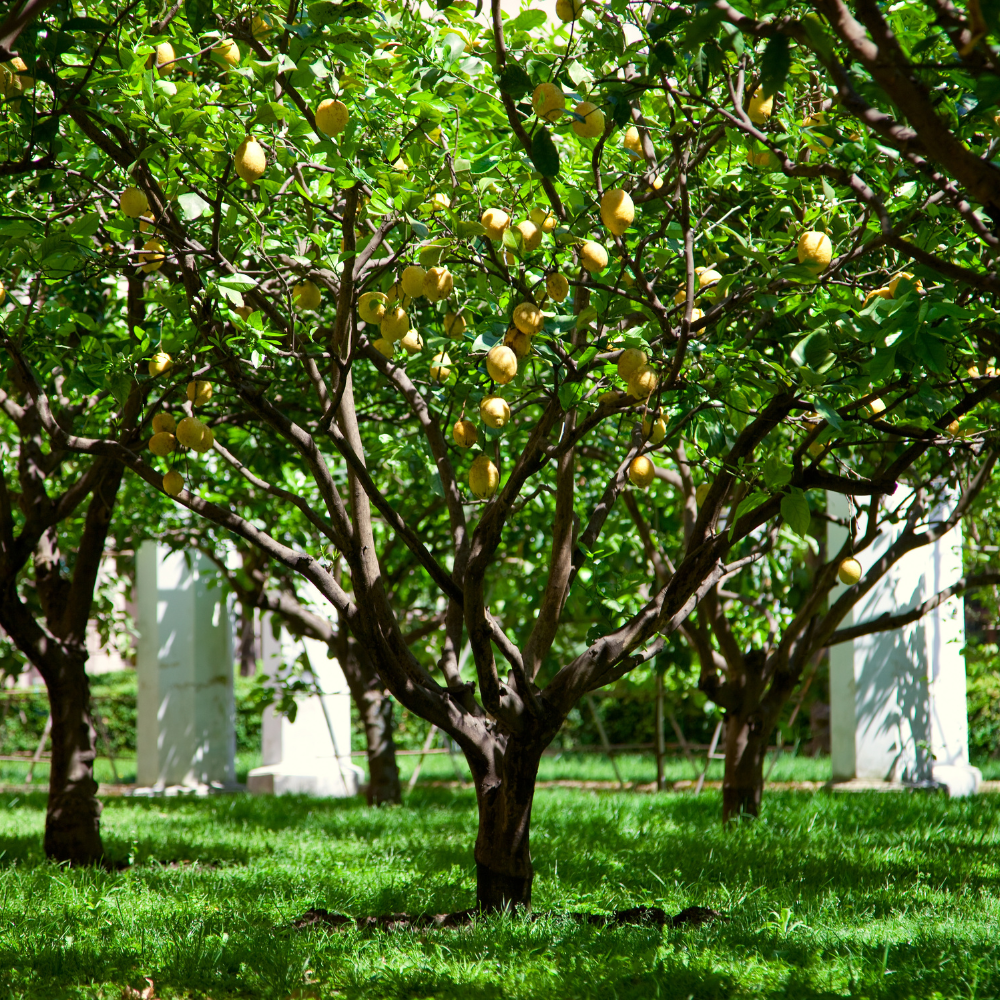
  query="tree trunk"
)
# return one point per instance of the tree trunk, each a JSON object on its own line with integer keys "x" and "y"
{"x": 743, "y": 783}
{"x": 248, "y": 641}
{"x": 503, "y": 859}
{"x": 72, "y": 822}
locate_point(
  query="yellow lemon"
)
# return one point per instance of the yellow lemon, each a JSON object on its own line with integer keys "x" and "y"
{"x": 909, "y": 281}
{"x": 133, "y": 202}
{"x": 879, "y": 293}
{"x": 165, "y": 58}
{"x": 815, "y": 251}
{"x": 528, "y": 318}
{"x": 548, "y": 101}
{"x": 159, "y": 363}
{"x": 306, "y": 295}
{"x": 531, "y": 235}
{"x": 151, "y": 257}
{"x": 654, "y": 429}
{"x": 495, "y": 221}
{"x": 162, "y": 444}
{"x": 412, "y": 280}
{"x": 641, "y": 471}
{"x": 454, "y": 324}
{"x": 568, "y": 10}
{"x": 501, "y": 363}
{"x": 332, "y": 116}
{"x": 250, "y": 160}
{"x": 199, "y": 392}
{"x": 545, "y": 221}
{"x": 438, "y": 283}
{"x": 440, "y": 371}
{"x": 630, "y": 359}
{"x": 464, "y": 433}
{"x": 494, "y": 411}
{"x": 642, "y": 382}
{"x": 617, "y": 211}
{"x": 164, "y": 422}
{"x": 173, "y": 483}
{"x": 557, "y": 286}
{"x": 371, "y": 307}
{"x": 593, "y": 257}
{"x": 849, "y": 572}
{"x": 631, "y": 140}
{"x": 484, "y": 477}
{"x": 394, "y": 324}
{"x": 227, "y": 51}
{"x": 760, "y": 107}
{"x": 385, "y": 347}
{"x": 412, "y": 342}
{"x": 592, "y": 124}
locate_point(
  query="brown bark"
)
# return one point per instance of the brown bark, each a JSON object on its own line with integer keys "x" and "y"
{"x": 743, "y": 783}
{"x": 248, "y": 641}
{"x": 503, "y": 859}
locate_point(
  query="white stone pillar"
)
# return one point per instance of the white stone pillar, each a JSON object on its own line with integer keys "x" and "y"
{"x": 897, "y": 698}
{"x": 185, "y": 731}
{"x": 298, "y": 757}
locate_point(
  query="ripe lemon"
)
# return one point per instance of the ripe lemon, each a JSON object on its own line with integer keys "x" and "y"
{"x": 438, "y": 283}
{"x": 630, "y": 359}
{"x": 617, "y": 211}
{"x": 593, "y": 257}
{"x": 190, "y": 433}
{"x": 908, "y": 280}
{"x": 568, "y": 10}
{"x": 495, "y": 221}
{"x": 440, "y": 371}
{"x": 519, "y": 343}
{"x": 464, "y": 433}
{"x": 133, "y": 202}
{"x": 548, "y": 101}
{"x": 306, "y": 295}
{"x": 262, "y": 25}
{"x": 654, "y": 429}
{"x": 371, "y": 307}
{"x": 385, "y": 347}
{"x": 545, "y": 221}
{"x": 244, "y": 312}
{"x": 454, "y": 324}
{"x": 501, "y": 363}
{"x": 250, "y": 160}
{"x": 813, "y": 141}
{"x": 528, "y": 318}
{"x": 642, "y": 382}
{"x": 159, "y": 363}
{"x": 610, "y": 397}
{"x": 484, "y": 477}
{"x": 162, "y": 444}
{"x": 880, "y": 293}
{"x": 163, "y": 422}
{"x": 849, "y": 572}
{"x": 227, "y": 51}
{"x": 199, "y": 392}
{"x": 173, "y": 483}
{"x": 412, "y": 280}
{"x": 954, "y": 428}
{"x": 876, "y": 406}
{"x": 151, "y": 256}
{"x": 165, "y": 58}
{"x": 3, "y": 293}
{"x": 641, "y": 471}
{"x": 760, "y": 107}
{"x": 593, "y": 120}
{"x": 557, "y": 286}
{"x": 494, "y": 411}
{"x": 531, "y": 235}
{"x": 701, "y": 494}
{"x": 412, "y": 342}
{"x": 396, "y": 294}
{"x": 815, "y": 251}
{"x": 332, "y": 116}
{"x": 631, "y": 140}
{"x": 816, "y": 449}
{"x": 394, "y": 324}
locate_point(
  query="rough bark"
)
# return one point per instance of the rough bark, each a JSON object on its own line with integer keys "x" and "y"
{"x": 503, "y": 859}
{"x": 743, "y": 783}
{"x": 72, "y": 820}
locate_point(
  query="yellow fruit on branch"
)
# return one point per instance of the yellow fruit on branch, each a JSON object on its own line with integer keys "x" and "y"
{"x": 3, "y": 293}
{"x": 164, "y": 423}
{"x": 332, "y": 116}
{"x": 631, "y": 140}
{"x": 158, "y": 364}
{"x": 954, "y": 428}
{"x": 501, "y": 363}
{"x": 165, "y": 58}
{"x": 641, "y": 471}
{"x": 876, "y": 406}
{"x": 173, "y": 483}
{"x": 484, "y": 477}
{"x": 880, "y": 293}
{"x": 617, "y": 211}
{"x": 227, "y": 51}
{"x": 849, "y": 572}
{"x": 371, "y": 307}
{"x": 412, "y": 342}
{"x": 438, "y": 283}
{"x": 495, "y": 221}
{"x": 611, "y": 397}
{"x": 494, "y": 411}
{"x": 528, "y": 318}
{"x": 151, "y": 256}
{"x": 817, "y": 141}
{"x": 519, "y": 343}
{"x": 708, "y": 276}
{"x": 545, "y": 221}
{"x": 244, "y": 312}
{"x": 815, "y": 251}
{"x": 394, "y": 324}
{"x": 655, "y": 429}
{"x": 397, "y": 295}
{"x": 385, "y": 347}
{"x": 760, "y": 107}
{"x": 642, "y": 382}
{"x": 162, "y": 444}
{"x": 630, "y": 359}
{"x": 306, "y": 295}
{"x": 557, "y": 286}
{"x": 199, "y": 392}
{"x": 412, "y": 280}
{"x": 568, "y": 10}
{"x": 262, "y": 25}
{"x": 593, "y": 257}
{"x": 192, "y": 433}
{"x": 590, "y": 121}
{"x": 250, "y": 160}
{"x": 908, "y": 280}
{"x": 548, "y": 101}
{"x": 440, "y": 371}
{"x": 454, "y": 324}
{"x": 464, "y": 433}
{"x": 531, "y": 235}
{"x": 133, "y": 202}
{"x": 701, "y": 494}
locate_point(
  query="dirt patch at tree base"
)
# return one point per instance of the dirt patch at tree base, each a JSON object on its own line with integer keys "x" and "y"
{"x": 641, "y": 916}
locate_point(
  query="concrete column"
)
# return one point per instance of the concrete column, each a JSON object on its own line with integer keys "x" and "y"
{"x": 897, "y": 699}
{"x": 299, "y": 757}
{"x": 185, "y": 731}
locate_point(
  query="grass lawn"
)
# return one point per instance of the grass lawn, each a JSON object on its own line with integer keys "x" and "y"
{"x": 862, "y": 895}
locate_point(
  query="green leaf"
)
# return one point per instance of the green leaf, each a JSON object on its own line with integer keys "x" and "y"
{"x": 815, "y": 352}
{"x": 818, "y": 36}
{"x": 198, "y": 14}
{"x": 775, "y": 64}
{"x": 514, "y": 81}
{"x": 85, "y": 24}
{"x": 829, "y": 414}
{"x": 776, "y": 473}
{"x": 738, "y": 408}
{"x": 931, "y": 351}
{"x": 700, "y": 71}
{"x": 467, "y": 230}
{"x": 544, "y": 154}
{"x": 192, "y": 206}
{"x": 795, "y": 511}
{"x": 239, "y": 282}
{"x": 328, "y": 12}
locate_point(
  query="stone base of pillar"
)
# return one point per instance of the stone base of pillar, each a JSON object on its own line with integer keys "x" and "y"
{"x": 199, "y": 790}
{"x": 292, "y": 778}
{"x": 961, "y": 780}
{"x": 957, "y": 780}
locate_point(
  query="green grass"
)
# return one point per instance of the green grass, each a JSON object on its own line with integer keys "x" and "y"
{"x": 861, "y": 895}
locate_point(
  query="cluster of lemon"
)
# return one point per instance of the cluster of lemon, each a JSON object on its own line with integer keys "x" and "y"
{"x": 889, "y": 291}
{"x": 759, "y": 111}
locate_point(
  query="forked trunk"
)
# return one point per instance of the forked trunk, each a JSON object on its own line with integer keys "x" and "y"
{"x": 72, "y": 822}
{"x": 743, "y": 783}
{"x": 503, "y": 859}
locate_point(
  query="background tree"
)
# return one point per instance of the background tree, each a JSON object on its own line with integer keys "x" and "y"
{"x": 285, "y": 168}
